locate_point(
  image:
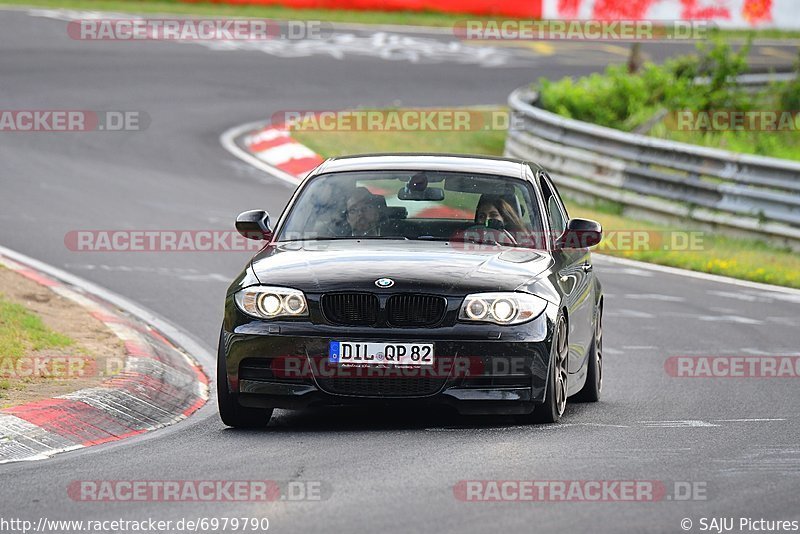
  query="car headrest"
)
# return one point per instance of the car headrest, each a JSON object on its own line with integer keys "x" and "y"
{"x": 396, "y": 212}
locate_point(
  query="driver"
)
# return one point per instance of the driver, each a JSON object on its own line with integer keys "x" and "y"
{"x": 365, "y": 212}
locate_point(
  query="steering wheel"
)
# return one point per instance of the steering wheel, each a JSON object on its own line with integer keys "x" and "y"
{"x": 505, "y": 237}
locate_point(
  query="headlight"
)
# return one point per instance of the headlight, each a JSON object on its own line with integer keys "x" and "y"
{"x": 267, "y": 302}
{"x": 501, "y": 308}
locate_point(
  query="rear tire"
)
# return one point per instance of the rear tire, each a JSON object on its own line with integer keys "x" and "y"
{"x": 231, "y": 413}
{"x": 594, "y": 373}
{"x": 555, "y": 400}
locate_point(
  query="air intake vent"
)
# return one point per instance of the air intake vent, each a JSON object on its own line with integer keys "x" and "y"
{"x": 382, "y": 387}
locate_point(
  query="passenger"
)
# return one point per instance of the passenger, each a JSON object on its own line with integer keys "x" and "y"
{"x": 496, "y": 208}
{"x": 365, "y": 212}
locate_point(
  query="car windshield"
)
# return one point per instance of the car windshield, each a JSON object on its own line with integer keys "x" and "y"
{"x": 415, "y": 205}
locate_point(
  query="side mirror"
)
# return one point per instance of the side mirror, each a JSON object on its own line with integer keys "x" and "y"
{"x": 254, "y": 224}
{"x": 580, "y": 233}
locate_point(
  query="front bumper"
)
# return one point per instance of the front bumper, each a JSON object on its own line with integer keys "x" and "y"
{"x": 478, "y": 368}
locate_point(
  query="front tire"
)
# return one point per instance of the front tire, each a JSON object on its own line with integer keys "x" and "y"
{"x": 555, "y": 400}
{"x": 231, "y": 413}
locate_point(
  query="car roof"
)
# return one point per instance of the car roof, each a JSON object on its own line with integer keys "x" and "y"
{"x": 424, "y": 161}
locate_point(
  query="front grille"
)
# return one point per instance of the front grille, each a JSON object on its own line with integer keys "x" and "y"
{"x": 374, "y": 386}
{"x": 350, "y": 308}
{"x": 415, "y": 310}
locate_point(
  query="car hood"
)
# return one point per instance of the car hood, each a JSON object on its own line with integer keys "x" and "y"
{"x": 432, "y": 267}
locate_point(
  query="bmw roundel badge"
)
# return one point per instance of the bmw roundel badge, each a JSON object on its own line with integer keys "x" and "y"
{"x": 384, "y": 282}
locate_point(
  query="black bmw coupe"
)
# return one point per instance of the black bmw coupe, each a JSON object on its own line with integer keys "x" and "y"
{"x": 414, "y": 278}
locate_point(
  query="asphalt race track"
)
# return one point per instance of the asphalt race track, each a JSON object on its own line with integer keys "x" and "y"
{"x": 383, "y": 472}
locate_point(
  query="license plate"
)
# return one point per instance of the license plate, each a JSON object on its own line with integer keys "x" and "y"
{"x": 347, "y": 352}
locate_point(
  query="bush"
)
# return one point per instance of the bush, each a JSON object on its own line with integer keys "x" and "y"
{"x": 623, "y": 100}
{"x": 789, "y": 93}
{"x": 615, "y": 99}
{"x": 618, "y": 99}
{"x": 707, "y": 82}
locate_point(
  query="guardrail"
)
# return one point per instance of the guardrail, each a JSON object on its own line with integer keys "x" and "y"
{"x": 666, "y": 181}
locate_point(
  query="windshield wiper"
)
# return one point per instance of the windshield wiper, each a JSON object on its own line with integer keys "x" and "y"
{"x": 314, "y": 239}
{"x": 346, "y": 238}
{"x": 463, "y": 240}
{"x": 396, "y": 237}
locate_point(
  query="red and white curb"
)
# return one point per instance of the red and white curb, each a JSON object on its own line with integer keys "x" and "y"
{"x": 271, "y": 148}
{"x": 158, "y": 386}
{"x": 275, "y": 146}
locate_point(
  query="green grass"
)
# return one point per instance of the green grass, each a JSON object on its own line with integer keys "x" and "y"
{"x": 737, "y": 258}
{"x": 416, "y": 18}
{"x": 22, "y": 331}
{"x": 340, "y": 143}
{"x": 756, "y": 34}
{"x": 780, "y": 144}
